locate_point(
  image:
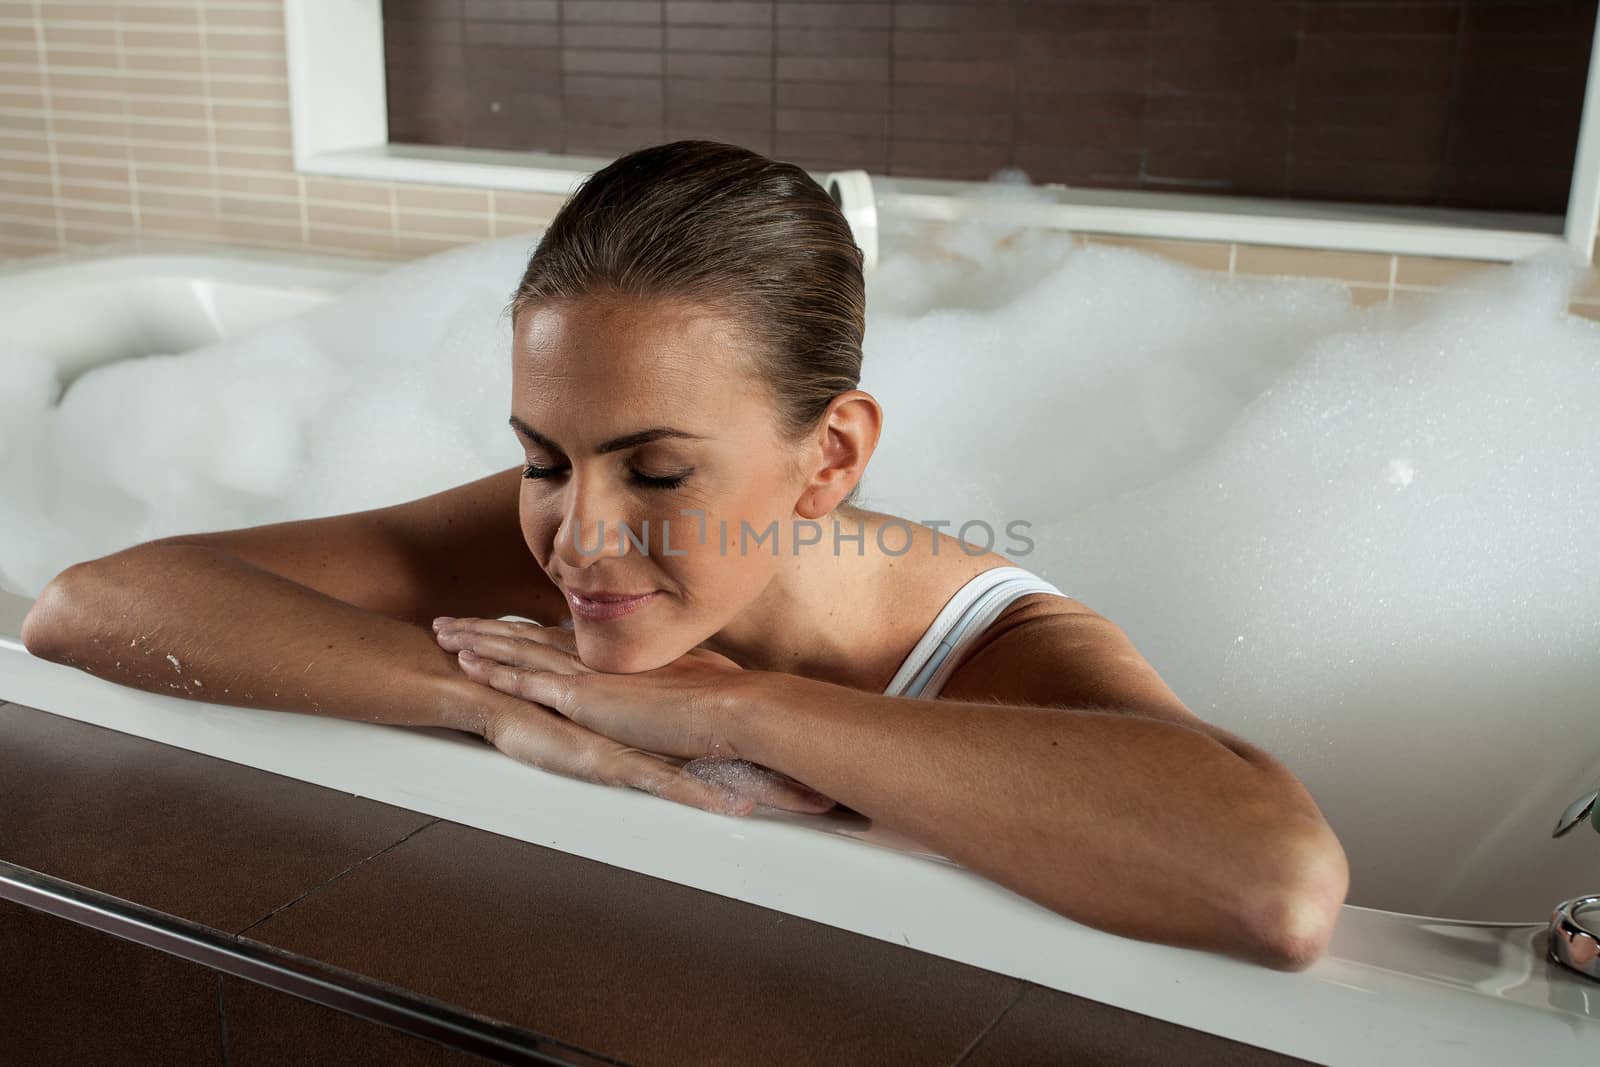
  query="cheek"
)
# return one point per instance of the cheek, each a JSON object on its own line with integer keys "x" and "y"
{"x": 753, "y": 528}
{"x": 721, "y": 564}
{"x": 538, "y": 524}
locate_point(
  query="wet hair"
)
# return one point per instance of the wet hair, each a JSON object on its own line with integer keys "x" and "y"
{"x": 751, "y": 238}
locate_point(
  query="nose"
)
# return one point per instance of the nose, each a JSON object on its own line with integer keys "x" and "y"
{"x": 591, "y": 528}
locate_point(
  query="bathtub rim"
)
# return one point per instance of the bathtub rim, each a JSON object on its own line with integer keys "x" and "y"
{"x": 1389, "y": 974}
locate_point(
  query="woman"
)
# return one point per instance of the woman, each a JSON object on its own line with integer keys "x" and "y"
{"x": 686, "y": 350}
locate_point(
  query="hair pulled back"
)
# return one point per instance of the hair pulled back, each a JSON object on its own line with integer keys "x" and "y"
{"x": 755, "y": 239}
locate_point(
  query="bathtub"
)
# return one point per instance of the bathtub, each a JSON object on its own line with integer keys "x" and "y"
{"x": 1400, "y": 982}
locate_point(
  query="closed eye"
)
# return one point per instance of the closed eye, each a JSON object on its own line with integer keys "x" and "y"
{"x": 648, "y": 481}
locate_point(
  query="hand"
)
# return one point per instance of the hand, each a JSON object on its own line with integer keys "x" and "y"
{"x": 665, "y": 717}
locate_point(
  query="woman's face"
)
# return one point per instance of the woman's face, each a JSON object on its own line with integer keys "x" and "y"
{"x": 588, "y": 380}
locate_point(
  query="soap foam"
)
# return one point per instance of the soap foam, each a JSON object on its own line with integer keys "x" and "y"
{"x": 1365, "y": 539}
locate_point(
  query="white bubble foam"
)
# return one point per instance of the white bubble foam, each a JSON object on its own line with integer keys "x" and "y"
{"x": 395, "y": 390}
{"x": 1359, "y": 537}
{"x": 1366, "y": 539}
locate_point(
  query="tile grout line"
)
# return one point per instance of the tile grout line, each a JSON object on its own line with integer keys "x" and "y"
{"x": 561, "y": 73}
{"x": 222, "y": 1018}
{"x": 274, "y": 80}
{"x": 335, "y": 878}
{"x": 211, "y": 118}
{"x": 41, "y": 50}
{"x": 889, "y": 124}
{"x": 1294, "y": 100}
{"x": 127, "y": 146}
{"x": 663, "y": 52}
{"x": 97, "y": 50}
{"x": 987, "y": 1030}
{"x": 772, "y": 72}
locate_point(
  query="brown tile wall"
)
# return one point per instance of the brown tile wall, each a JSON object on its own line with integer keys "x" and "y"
{"x": 79, "y": 996}
{"x": 169, "y": 119}
{"x": 1461, "y": 103}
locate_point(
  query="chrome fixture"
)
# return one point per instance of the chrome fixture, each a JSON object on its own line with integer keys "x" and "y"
{"x": 1575, "y": 923}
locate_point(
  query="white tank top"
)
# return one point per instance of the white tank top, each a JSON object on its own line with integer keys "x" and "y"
{"x": 964, "y": 617}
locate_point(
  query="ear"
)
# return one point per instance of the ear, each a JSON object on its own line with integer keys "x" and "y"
{"x": 837, "y": 457}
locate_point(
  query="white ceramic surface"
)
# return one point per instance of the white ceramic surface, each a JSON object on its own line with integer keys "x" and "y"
{"x": 1394, "y": 988}
{"x": 88, "y": 309}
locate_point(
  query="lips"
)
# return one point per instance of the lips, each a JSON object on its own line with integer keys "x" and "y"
{"x": 596, "y": 610}
{"x": 603, "y": 597}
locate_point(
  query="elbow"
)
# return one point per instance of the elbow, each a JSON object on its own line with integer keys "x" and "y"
{"x": 1293, "y": 927}
{"x": 48, "y": 627}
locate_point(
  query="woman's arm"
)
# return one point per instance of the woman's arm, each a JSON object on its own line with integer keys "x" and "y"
{"x": 1073, "y": 776}
{"x": 1145, "y": 828}
{"x": 196, "y": 621}
{"x": 320, "y": 616}
{"x": 311, "y": 615}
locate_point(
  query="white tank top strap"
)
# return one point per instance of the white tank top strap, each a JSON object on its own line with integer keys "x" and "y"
{"x": 965, "y": 616}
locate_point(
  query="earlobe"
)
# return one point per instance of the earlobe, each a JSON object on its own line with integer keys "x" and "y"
{"x": 819, "y": 501}
{"x": 849, "y": 435}
{"x": 807, "y": 508}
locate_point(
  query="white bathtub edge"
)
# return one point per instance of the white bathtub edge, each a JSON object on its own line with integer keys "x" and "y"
{"x": 1345, "y": 1009}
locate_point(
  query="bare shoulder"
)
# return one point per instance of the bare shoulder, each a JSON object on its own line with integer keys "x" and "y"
{"x": 1043, "y": 650}
{"x": 936, "y": 564}
{"x": 915, "y": 583}
{"x": 1053, "y": 651}
{"x": 1044, "y": 646}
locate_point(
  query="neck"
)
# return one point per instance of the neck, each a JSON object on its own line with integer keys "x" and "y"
{"x": 816, "y": 617}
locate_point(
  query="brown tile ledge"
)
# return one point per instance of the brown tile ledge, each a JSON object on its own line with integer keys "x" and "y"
{"x": 632, "y": 968}
{"x": 77, "y": 941}
{"x": 190, "y": 835}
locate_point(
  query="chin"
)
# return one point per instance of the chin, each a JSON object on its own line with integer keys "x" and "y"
{"x": 617, "y": 656}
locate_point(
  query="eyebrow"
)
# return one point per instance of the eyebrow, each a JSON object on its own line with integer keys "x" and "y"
{"x": 616, "y": 444}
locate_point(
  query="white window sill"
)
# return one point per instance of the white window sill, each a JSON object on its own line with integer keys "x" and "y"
{"x": 1348, "y": 227}
{"x": 340, "y": 120}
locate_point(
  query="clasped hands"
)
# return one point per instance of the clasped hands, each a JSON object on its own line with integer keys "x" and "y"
{"x": 659, "y": 730}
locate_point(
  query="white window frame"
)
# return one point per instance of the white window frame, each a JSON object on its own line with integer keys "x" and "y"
{"x": 339, "y": 111}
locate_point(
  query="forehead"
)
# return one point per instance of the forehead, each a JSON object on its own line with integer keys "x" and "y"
{"x": 605, "y": 350}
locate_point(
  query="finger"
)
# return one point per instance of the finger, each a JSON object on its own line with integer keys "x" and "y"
{"x": 761, "y": 784}
{"x": 648, "y": 772}
{"x": 561, "y": 638}
{"x": 548, "y": 741}
{"x": 543, "y": 635}
{"x": 553, "y": 689}
{"x": 558, "y": 636}
{"x": 513, "y": 651}
{"x": 504, "y": 627}
{"x": 554, "y": 636}
{"x": 543, "y": 739}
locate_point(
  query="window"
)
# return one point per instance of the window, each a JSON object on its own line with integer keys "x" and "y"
{"x": 1442, "y": 129}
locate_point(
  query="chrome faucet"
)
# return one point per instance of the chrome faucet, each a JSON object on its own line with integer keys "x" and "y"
{"x": 1575, "y": 923}
{"x": 1584, "y": 807}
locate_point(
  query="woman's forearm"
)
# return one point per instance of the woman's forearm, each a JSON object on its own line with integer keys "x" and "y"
{"x": 193, "y": 621}
{"x": 1144, "y": 828}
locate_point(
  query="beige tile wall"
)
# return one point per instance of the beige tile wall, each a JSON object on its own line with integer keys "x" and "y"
{"x": 170, "y": 119}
